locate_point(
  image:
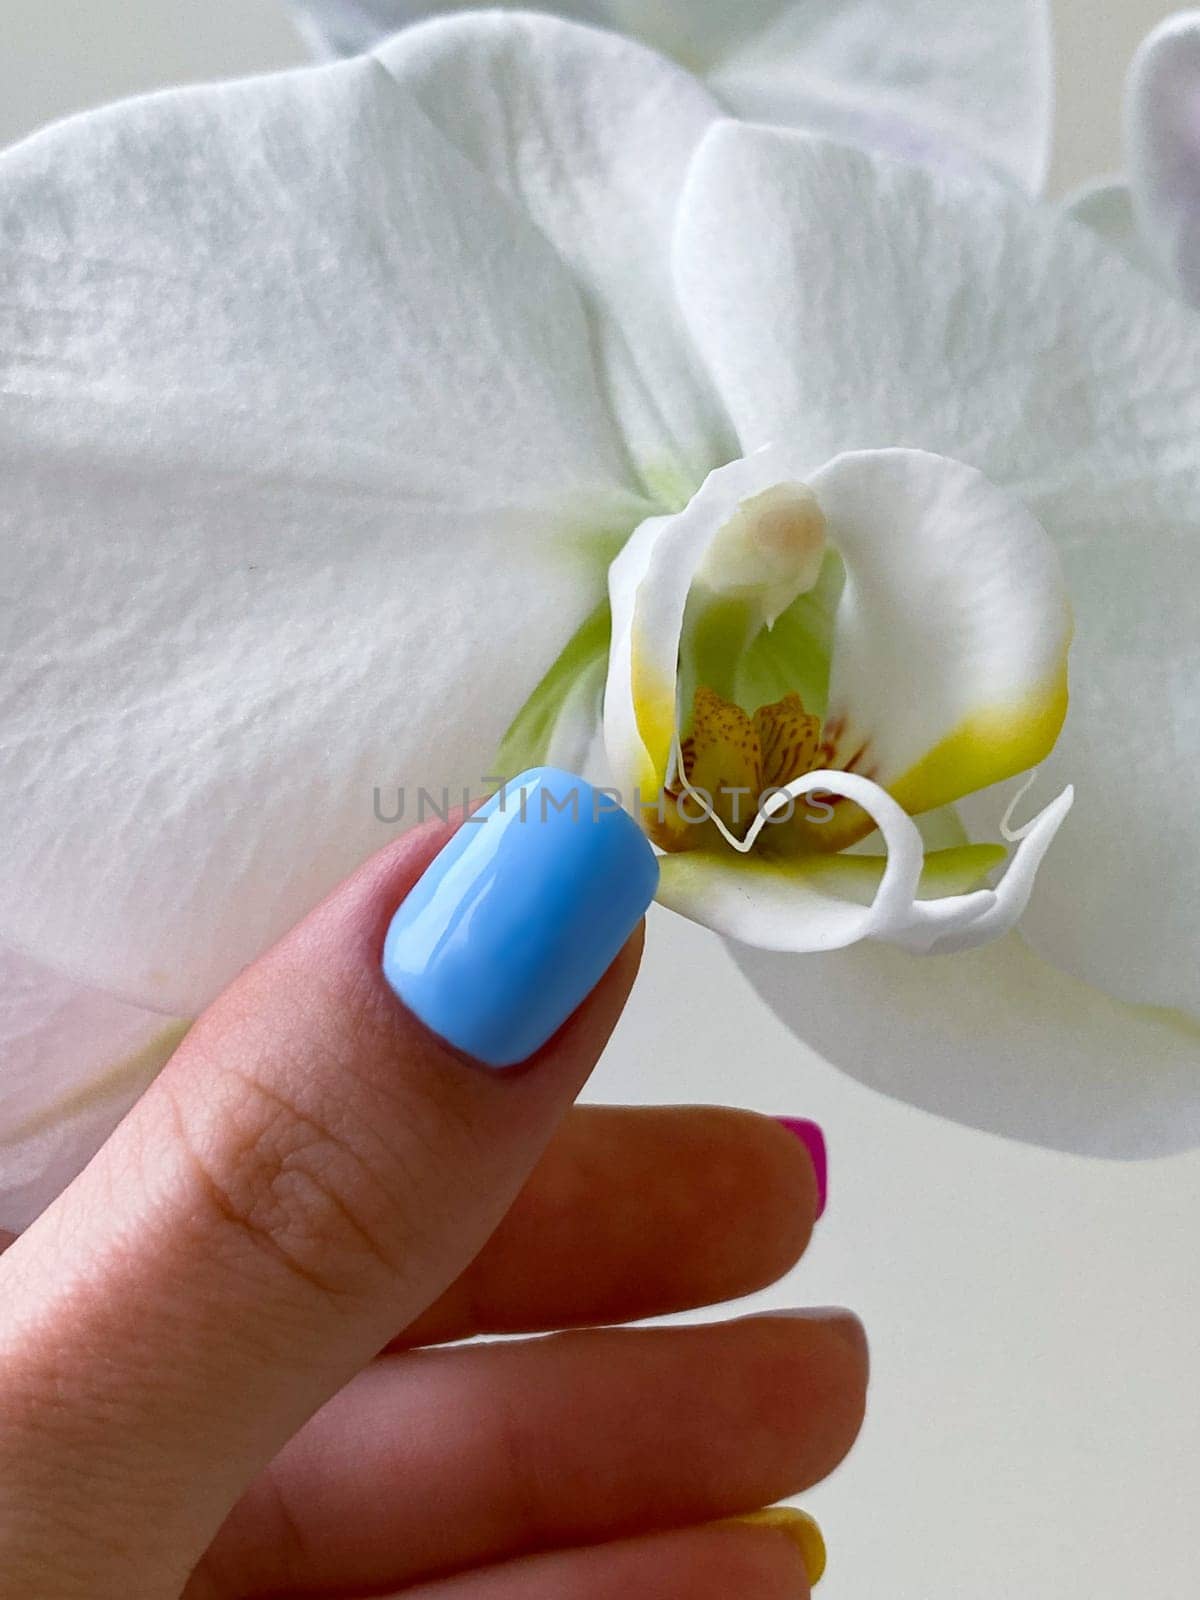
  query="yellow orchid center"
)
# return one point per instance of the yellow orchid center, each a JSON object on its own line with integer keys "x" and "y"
{"x": 731, "y": 762}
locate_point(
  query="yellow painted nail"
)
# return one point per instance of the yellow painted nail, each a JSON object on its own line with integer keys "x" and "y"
{"x": 800, "y": 1528}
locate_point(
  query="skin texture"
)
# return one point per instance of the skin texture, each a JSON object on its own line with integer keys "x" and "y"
{"x": 226, "y": 1358}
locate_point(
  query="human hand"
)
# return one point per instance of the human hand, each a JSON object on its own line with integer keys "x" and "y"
{"x": 192, "y": 1396}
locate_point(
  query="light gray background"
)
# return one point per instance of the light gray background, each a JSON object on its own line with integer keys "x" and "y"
{"x": 1034, "y": 1427}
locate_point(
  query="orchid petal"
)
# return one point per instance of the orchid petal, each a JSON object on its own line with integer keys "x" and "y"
{"x": 591, "y": 135}
{"x": 649, "y": 584}
{"x": 950, "y": 638}
{"x": 557, "y": 725}
{"x": 333, "y": 28}
{"x": 286, "y": 453}
{"x": 75, "y": 1060}
{"x": 996, "y": 1039}
{"x": 958, "y": 82}
{"x": 1162, "y": 137}
{"x": 932, "y": 314}
{"x": 1107, "y": 209}
{"x": 699, "y": 33}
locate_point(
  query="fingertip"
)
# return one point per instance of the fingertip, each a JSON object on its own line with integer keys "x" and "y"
{"x": 750, "y": 1194}
{"x": 520, "y": 916}
{"x": 802, "y": 1531}
{"x": 578, "y": 1043}
{"x": 842, "y": 1323}
{"x": 812, "y": 1137}
{"x": 783, "y": 1178}
{"x": 823, "y": 1351}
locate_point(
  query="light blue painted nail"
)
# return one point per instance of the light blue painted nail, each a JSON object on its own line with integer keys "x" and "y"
{"x": 520, "y": 915}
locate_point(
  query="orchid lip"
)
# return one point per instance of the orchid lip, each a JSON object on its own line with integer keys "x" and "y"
{"x": 956, "y": 922}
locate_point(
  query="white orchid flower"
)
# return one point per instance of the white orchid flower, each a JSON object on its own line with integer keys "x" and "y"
{"x": 897, "y": 626}
{"x": 1152, "y": 214}
{"x": 328, "y": 400}
{"x": 964, "y": 84}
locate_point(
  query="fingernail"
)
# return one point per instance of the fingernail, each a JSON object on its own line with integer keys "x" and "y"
{"x": 800, "y": 1528}
{"x": 518, "y": 918}
{"x": 813, "y": 1140}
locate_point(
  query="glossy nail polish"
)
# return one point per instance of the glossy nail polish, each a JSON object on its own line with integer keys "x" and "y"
{"x": 813, "y": 1140}
{"x": 800, "y": 1528}
{"x": 516, "y": 920}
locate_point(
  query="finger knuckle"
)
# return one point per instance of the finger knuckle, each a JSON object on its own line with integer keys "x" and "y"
{"x": 281, "y": 1182}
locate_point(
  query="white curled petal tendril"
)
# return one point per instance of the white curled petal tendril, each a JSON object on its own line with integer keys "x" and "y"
{"x": 1007, "y": 832}
{"x": 963, "y": 922}
{"x": 1012, "y": 894}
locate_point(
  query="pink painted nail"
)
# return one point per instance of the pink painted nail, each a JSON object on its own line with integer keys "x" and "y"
{"x": 813, "y": 1140}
